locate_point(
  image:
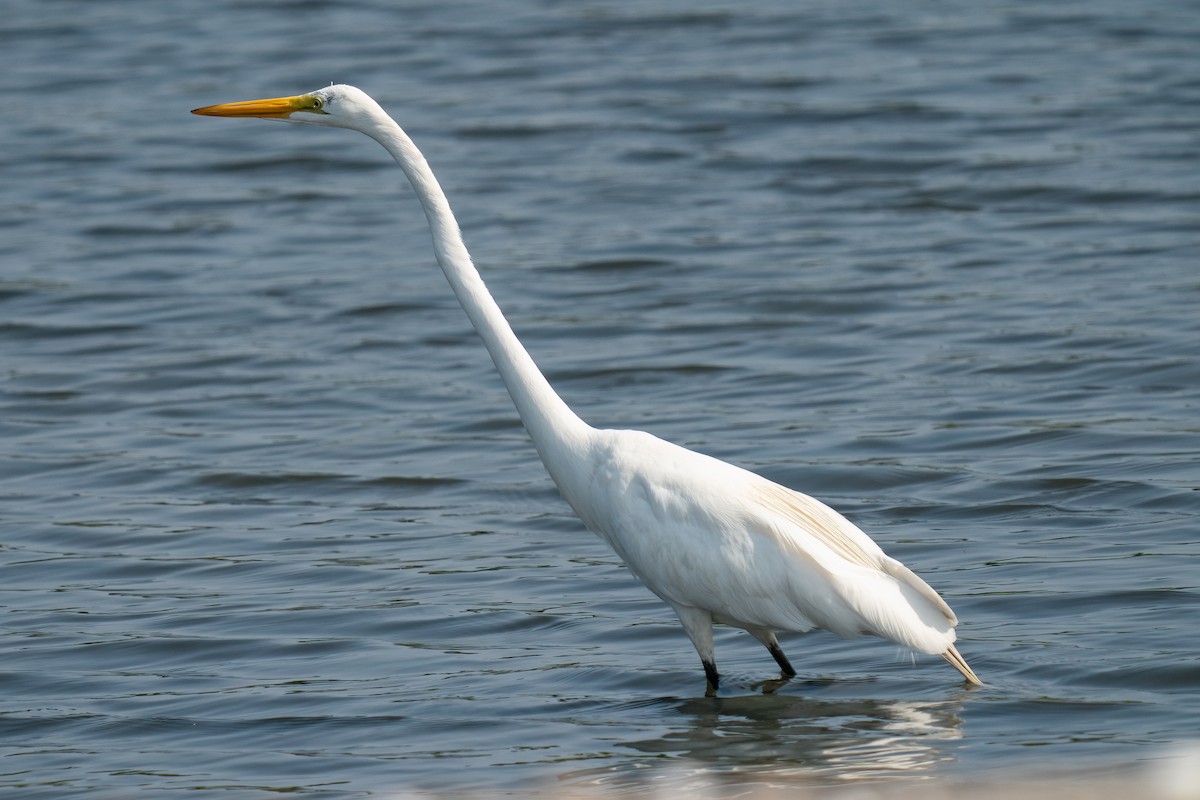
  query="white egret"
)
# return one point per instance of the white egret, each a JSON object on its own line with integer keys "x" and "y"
{"x": 719, "y": 544}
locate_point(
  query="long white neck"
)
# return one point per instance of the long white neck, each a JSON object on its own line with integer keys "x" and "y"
{"x": 552, "y": 425}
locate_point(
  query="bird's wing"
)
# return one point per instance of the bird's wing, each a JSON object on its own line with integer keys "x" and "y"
{"x": 702, "y": 533}
{"x": 844, "y": 538}
{"x": 822, "y": 522}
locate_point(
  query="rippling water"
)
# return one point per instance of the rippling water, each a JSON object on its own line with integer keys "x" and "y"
{"x": 272, "y": 525}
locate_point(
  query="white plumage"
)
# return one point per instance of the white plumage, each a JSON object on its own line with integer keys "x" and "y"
{"x": 719, "y": 544}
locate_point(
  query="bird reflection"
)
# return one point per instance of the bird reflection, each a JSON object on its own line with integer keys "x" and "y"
{"x": 786, "y": 740}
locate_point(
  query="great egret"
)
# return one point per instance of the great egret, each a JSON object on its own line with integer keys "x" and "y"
{"x": 718, "y": 543}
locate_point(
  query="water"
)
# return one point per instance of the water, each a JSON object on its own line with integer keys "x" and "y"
{"x": 270, "y": 521}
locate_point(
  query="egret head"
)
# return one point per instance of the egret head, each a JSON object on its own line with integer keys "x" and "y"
{"x": 337, "y": 106}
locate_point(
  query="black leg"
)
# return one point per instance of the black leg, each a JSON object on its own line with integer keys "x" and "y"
{"x": 710, "y": 671}
{"x": 777, "y": 653}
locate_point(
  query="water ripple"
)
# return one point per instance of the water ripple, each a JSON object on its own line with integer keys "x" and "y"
{"x": 272, "y": 524}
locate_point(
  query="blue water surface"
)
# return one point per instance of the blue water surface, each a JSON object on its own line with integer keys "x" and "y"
{"x": 271, "y": 524}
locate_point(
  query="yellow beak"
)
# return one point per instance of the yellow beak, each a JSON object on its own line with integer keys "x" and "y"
{"x": 272, "y": 108}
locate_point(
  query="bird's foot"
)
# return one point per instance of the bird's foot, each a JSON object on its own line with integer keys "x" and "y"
{"x": 785, "y": 666}
{"x": 714, "y": 678}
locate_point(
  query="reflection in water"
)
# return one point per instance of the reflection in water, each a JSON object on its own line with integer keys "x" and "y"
{"x": 775, "y": 740}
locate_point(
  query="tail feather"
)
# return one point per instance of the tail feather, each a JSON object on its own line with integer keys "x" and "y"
{"x": 959, "y": 663}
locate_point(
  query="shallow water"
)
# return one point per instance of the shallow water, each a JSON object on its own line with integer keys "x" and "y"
{"x": 271, "y": 522}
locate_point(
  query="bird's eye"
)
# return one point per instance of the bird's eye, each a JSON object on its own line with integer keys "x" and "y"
{"x": 317, "y": 103}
